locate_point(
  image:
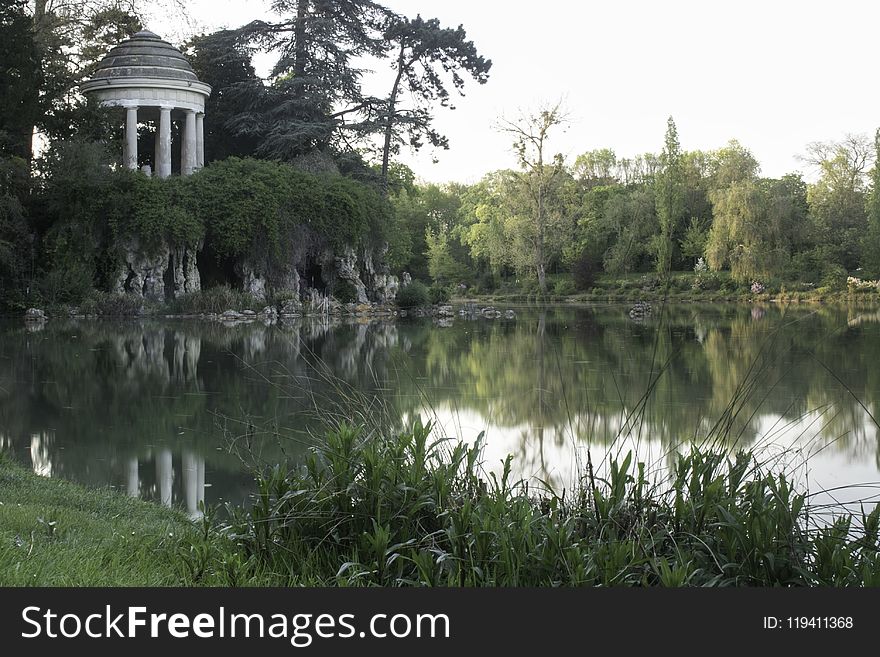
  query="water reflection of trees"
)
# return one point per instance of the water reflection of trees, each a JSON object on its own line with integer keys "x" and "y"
{"x": 595, "y": 366}
{"x": 120, "y": 399}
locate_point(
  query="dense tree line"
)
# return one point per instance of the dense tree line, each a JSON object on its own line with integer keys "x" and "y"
{"x": 651, "y": 213}
{"x": 654, "y": 212}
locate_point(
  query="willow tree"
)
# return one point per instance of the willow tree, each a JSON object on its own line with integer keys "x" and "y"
{"x": 737, "y": 237}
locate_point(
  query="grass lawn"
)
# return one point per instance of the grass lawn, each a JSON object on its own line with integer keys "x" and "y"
{"x": 56, "y": 533}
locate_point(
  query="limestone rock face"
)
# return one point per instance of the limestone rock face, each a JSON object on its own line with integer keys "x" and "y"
{"x": 382, "y": 285}
{"x": 346, "y": 269}
{"x": 186, "y": 273}
{"x": 253, "y": 282}
{"x": 290, "y": 283}
{"x": 144, "y": 272}
{"x": 172, "y": 270}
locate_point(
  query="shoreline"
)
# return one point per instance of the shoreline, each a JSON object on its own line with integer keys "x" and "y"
{"x": 271, "y": 314}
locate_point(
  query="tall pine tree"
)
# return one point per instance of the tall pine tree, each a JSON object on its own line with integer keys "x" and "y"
{"x": 669, "y": 198}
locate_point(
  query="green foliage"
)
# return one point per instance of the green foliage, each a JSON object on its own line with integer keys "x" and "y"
{"x": 443, "y": 266}
{"x": 344, "y": 292}
{"x": 418, "y": 209}
{"x": 628, "y": 221}
{"x": 833, "y": 277}
{"x": 583, "y": 271}
{"x": 411, "y": 510}
{"x": 564, "y": 287}
{"x": 20, "y": 80}
{"x": 596, "y": 168}
{"x": 213, "y": 300}
{"x": 669, "y": 195}
{"x": 871, "y": 243}
{"x": 542, "y": 224}
{"x": 438, "y": 294}
{"x": 272, "y": 215}
{"x": 71, "y": 38}
{"x": 219, "y": 60}
{"x": 707, "y": 282}
{"x": 693, "y": 245}
{"x": 16, "y": 248}
{"x": 295, "y": 115}
{"x": 414, "y": 295}
{"x": 154, "y": 211}
{"x": 837, "y": 200}
{"x": 425, "y": 51}
{"x": 267, "y": 210}
{"x": 111, "y": 305}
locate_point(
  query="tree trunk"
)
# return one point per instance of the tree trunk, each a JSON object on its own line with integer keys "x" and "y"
{"x": 27, "y": 132}
{"x": 542, "y": 273}
{"x": 299, "y": 39}
{"x": 389, "y": 119}
{"x": 539, "y": 242}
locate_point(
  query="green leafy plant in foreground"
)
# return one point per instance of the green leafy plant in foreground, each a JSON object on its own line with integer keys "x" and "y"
{"x": 413, "y": 510}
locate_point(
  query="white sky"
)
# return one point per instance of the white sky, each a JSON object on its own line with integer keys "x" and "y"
{"x": 774, "y": 74}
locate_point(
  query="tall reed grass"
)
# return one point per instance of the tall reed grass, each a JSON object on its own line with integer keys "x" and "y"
{"x": 409, "y": 510}
{"x": 374, "y": 505}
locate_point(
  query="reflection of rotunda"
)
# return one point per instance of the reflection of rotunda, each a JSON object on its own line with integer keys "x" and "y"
{"x": 154, "y": 82}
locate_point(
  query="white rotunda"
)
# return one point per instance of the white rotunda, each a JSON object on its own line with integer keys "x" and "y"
{"x": 154, "y": 82}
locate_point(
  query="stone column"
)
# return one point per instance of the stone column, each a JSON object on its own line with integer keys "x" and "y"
{"x": 164, "y": 475}
{"x": 133, "y": 479}
{"x": 131, "y": 137}
{"x": 190, "y": 468}
{"x": 188, "y": 152}
{"x": 200, "y": 140}
{"x": 163, "y": 143}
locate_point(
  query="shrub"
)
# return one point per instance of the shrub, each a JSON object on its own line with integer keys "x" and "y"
{"x": 650, "y": 282}
{"x": 583, "y": 271}
{"x": 681, "y": 283}
{"x": 860, "y": 285}
{"x": 344, "y": 291}
{"x": 66, "y": 285}
{"x": 112, "y": 304}
{"x": 706, "y": 282}
{"x": 729, "y": 285}
{"x": 563, "y": 287}
{"x": 413, "y": 295}
{"x": 438, "y": 294}
{"x": 833, "y": 277}
{"x": 486, "y": 283}
{"x": 213, "y": 300}
{"x": 280, "y": 297}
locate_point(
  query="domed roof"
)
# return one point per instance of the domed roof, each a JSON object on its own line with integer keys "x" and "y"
{"x": 144, "y": 55}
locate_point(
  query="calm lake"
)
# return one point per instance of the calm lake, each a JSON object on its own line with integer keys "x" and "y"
{"x": 174, "y": 410}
